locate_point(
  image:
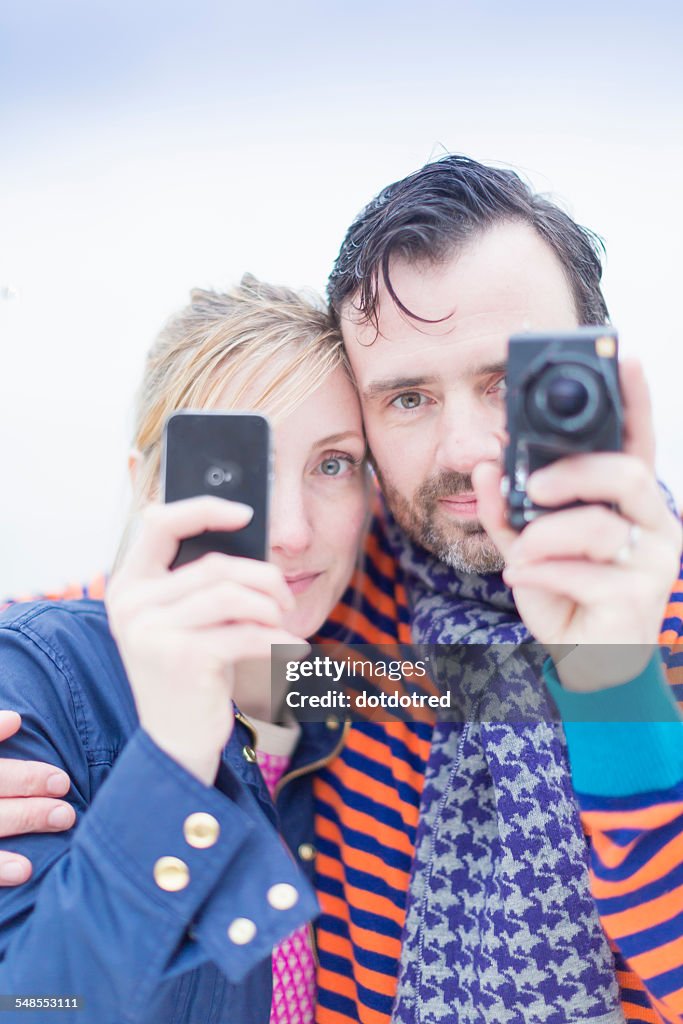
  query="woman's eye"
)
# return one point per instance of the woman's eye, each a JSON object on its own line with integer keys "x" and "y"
{"x": 500, "y": 387}
{"x": 408, "y": 400}
{"x": 336, "y": 465}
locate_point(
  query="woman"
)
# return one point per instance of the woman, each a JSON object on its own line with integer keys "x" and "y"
{"x": 167, "y": 900}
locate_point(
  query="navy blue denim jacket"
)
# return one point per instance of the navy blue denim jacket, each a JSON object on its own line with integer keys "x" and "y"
{"x": 92, "y": 922}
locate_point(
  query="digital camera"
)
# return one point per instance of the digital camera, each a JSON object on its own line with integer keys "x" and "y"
{"x": 562, "y": 398}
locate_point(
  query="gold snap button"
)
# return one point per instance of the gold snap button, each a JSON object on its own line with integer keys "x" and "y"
{"x": 201, "y": 830}
{"x": 241, "y": 931}
{"x": 306, "y": 851}
{"x": 331, "y": 722}
{"x": 171, "y": 874}
{"x": 282, "y": 896}
{"x": 249, "y": 754}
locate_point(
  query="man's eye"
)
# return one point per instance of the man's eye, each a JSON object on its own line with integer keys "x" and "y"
{"x": 500, "y": 387}
{"x": 408, "y": 400}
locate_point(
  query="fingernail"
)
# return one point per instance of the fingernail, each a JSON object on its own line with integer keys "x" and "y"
{"x": 12, "y": 871}
{"x": 60, "y": 817}
{"x": 241, "y": 507}
{"x": 58, "y": 784}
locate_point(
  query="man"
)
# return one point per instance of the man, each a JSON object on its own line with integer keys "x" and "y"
{"x": 431, "y": 280}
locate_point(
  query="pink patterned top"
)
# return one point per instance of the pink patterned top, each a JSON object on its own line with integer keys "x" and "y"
{"x": 294, "y": 989}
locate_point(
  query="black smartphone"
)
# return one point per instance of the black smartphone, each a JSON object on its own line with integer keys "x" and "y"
{"x": 563, "y": 398}
{"x": 225, "y": 454}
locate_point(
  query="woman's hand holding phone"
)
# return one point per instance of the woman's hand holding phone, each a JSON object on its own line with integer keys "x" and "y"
{"x": 181, "y": 632}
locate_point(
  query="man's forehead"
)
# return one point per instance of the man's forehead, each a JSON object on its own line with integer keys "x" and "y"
{"x": 401, "y": 334}
{"x": 466, "y": 345}
{"x": 507, "y": 261}
{"x": 504, "y": 281}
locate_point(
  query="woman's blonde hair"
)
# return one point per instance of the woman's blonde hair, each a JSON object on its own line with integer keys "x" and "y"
{"x": 272, "y": 345}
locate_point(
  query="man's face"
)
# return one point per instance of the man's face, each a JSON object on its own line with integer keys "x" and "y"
{"x": 433, "y": 393}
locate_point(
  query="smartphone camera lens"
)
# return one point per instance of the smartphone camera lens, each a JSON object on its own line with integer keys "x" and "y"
{"x": 215, "y": 476}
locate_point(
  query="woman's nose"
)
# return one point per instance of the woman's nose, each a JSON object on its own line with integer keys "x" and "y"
{"x": 468, "y": 437}
{"x": 290, "y": 527}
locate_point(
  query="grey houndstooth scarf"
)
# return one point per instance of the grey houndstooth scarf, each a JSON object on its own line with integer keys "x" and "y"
{"x": 501, "y": 927}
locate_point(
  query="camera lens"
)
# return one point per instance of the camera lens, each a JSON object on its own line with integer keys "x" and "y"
{"x": 215, "y": 476}
{"x": 567, "y": 396}
{"x": 568, "y": 399}
{"x": 228, "y": 475}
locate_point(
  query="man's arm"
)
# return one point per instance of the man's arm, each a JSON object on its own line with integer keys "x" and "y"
{"x": 625, "y": 747}
{"x": 29, "y": 790}
{"x": 596, "y": 577}
{"x": 28, "y": 802}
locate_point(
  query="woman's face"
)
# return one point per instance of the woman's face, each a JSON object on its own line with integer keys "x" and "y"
{"x": 319, "y": 500}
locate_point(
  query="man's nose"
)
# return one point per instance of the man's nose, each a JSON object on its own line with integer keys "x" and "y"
{"x": 468, "y": 435}
{"x": 290, "y": 527}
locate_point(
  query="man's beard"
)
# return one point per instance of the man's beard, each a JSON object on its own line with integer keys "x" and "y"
{"x": 465, "y": 545}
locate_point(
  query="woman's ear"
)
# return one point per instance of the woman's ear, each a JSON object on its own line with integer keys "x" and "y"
{"x": 134, "y": 459}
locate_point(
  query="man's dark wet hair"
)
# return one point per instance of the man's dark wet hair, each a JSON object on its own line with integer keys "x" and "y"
{"x": 431, "y": 213}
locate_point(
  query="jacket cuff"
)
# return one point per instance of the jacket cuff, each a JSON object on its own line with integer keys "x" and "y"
{"x": 622, "y": 740}
{"x": 275, "y": 897}
{"x": 140, "y": 816}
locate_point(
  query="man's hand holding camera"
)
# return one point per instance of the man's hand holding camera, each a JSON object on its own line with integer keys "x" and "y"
{"x": 593, "y": 575}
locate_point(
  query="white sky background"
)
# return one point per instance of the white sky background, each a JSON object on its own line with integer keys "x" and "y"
{"x": 146, "y": 149}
